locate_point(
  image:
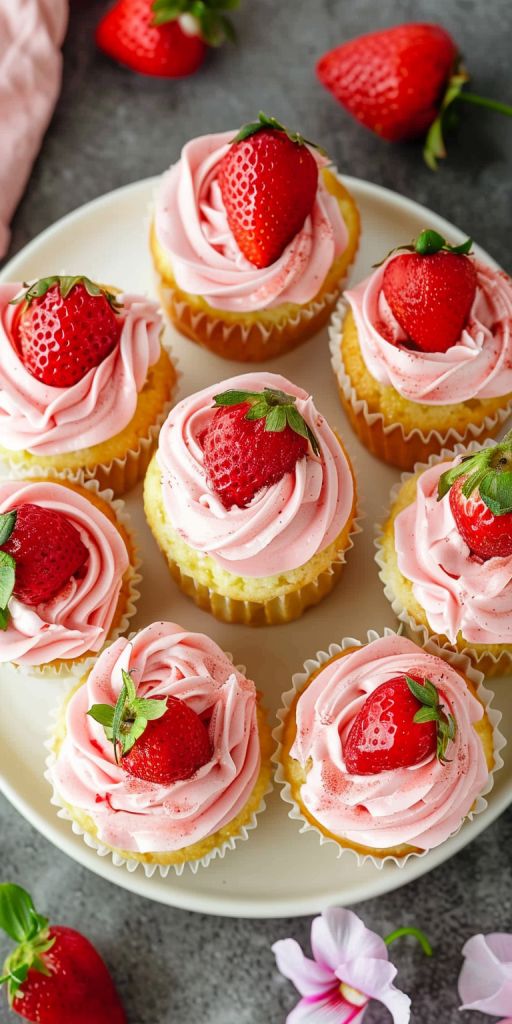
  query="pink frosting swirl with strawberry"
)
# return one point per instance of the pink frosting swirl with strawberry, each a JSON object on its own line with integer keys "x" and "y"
{"x": 286, "y": 523}
{"x": 79, "y": 617}
{"x": 478, "y": 366}
{"x": 46, "y": 420}
{"x": 422, "y": 805}
{"x": 192, "y": 226}
{"x": 459, "y": 591}
{"x": 139, "y": 816}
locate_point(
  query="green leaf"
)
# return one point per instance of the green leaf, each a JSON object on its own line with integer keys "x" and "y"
{"x": 7, "y": 578}
{"x": 276, "y": 419}
{"x": 434, "y": 148}
{"x": 426, "y": 714}
{"x": 65, "y": 285}
{"x": 131, "y": 692}
{"x": 102, "y": 713}
{"x": 448, "y": 478}
{"x": 132, "y": 734}
{"x": 4, "y": 619}
{"x": 118, "y": 718}
{"x": 423, "y": 693}
{"x": 150, "y": 709}
{"x": 257, "y": 411}
{"x": 18, "y": 916}
{"x": 429, "y": 241}
{"x": 235, "y": 397}
{"x": 496, "y": 492}
{"x": 7, "y": 524}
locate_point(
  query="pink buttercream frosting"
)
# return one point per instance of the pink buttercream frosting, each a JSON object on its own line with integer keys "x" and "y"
{"x": 286, "y": 523}
{"x": 79, "y": 617}
{"x": 478, "y": 366}
{"x": 129, "y": 813}
{"x": 458, "y": 591}
{"x": 192, "y": 227}
{"x": 420, "y": 806}
{"x": 46, "y": 420}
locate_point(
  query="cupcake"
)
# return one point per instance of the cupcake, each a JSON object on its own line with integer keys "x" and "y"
{"x": 422, "y": 351}
{"x": 445, "y": 552}
{"x": 252, "y": 237}
{"x": 67, "y": 573}
{"x": 179, "y": 773}
{"x": 387, "y": 748}
{"x": 251, "y": 497}
{"x": 84, "y": 380}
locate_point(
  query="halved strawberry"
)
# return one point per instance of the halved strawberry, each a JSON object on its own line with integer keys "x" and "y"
{"x": 480, "y": 489}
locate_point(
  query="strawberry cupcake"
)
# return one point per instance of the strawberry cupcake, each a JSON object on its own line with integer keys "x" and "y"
{"x": 445, "y": 552}
{"x": 84, "y": 380}
{"x": 252, "y": 499}
{"x": 161, "y": 756}
{"x": 67, "y": 573}
{"x": 386, "y": 748}
{"x": 422, "y": 351}
{"x": 252, "y": 237}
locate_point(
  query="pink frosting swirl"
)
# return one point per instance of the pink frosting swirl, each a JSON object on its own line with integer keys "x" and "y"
{"x": 458, "y": 591}
{"x": 420, "y": 806}
{"x": 478, "y": 366}
{"x": 46, "y": 420}
{"x": 129, "y": 813}
{"x": 192, "y": 227}
{"x": 79, "y": 617}
{"x": 286, "y": 523}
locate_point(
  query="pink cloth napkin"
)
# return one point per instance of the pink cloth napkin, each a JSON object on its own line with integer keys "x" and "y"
{"x": 31, "y": 34}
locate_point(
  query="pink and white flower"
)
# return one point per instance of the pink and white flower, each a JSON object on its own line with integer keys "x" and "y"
{"x": 485, "y": 981}
{"x": 350, "y": 968}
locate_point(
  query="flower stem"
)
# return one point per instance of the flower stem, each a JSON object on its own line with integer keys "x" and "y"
{"x": 417, "y": 933}
{"x": 482, "y": 101}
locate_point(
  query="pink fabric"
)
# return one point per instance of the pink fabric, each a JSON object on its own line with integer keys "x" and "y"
{"x": 31, "y": 34}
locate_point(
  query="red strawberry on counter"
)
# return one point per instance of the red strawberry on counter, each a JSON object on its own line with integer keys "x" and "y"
{"x": 480, "y": 495}
{"x": 64, "y": 327}
{"x": 161, "y": 739}
{"x": 252, "y": 440}
{"x": 268, "y": 181}
{"x": 164, "y": 38}
{"x": 40, "y": 550}
{"x": 400, "y": 724}
{"x": 430, "y": 290}
{"x": 55, "y": 976}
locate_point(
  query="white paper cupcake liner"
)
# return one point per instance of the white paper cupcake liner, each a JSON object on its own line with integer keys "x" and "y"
{"x": 417, "y": 630}
{"x": 299, "y": 681}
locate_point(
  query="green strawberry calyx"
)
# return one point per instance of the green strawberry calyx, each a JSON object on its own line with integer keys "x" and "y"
{"x": 489, "y": 470}
{"x": 20, "y": 920}
{"x": 266, "y": 123}
{"x": 7, "y": 566}
{"x": 278, "y": 409}
{"x": 433, "y": 711}
{"x": 214, "y": 27}
{"x": 430, "y": 242}
{"x": 125, "y": 723}
{"x": 65, "y": 285}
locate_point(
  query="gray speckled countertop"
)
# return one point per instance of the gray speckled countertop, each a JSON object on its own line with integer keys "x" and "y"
{"x": 110, "y": 128}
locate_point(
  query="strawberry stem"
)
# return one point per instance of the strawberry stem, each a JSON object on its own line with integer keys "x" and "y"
{"x": 416, "y": 933}
{"x": 266, "y": 123}
{"x": 484, "y": 101}
{"x": 20, "y": 920}
{"x": 275, "y": 407}
{"x": 125, "y": 723}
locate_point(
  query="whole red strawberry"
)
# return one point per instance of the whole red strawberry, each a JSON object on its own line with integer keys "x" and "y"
{"x": 268, "y": 180}
{"x": 399, "y": 725}
{"x": 252, "y": 440}
{"x": 55, "y": 976}
{"x": 64, "y": 327}
{"x": 161, "y": 739}
{"x": 430, "y": 290}
{"x": 480, "y": 489}
{"x": 40, "y": 550}
{"x": 164, "y": 38}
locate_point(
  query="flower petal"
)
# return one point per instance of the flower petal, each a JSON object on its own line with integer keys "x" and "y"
{"x": 327, "y": 1010}
{"x": 374, "y": 977}
{"x": 310, "y": 978}
{"x": 485, "y": 981}
{"x": 339, "y": 935}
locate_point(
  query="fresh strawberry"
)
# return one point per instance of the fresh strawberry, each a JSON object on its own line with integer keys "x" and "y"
{"x": 64, "y": 327}
{"x": 40, "y": 550}
{"x": 161, "y": 740}
{"x": 480, "y": 489}
{"x": 166, "y": 38}
{"x": 268, "y": 180}
{"x": 252, "y": 440}
{"x": 430, "y": 290}
{"x": 400, "y": 724}
{"x": 55, "y": 976}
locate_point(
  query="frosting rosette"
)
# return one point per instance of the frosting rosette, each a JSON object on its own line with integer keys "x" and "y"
{"x": 192, "y": 227}
{"x": 286, "y": 523}
{"x": 419, "y": 806}
{"x": 479, "y": 365}
{"x": 77, "y": 620}
{"x": 46, "y": 420}
{"x": 129, "y": 813}
{"x": 459, "y": 592}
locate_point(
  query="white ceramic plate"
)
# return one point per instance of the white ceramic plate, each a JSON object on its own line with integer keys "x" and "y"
{"x": 277, "y": 872}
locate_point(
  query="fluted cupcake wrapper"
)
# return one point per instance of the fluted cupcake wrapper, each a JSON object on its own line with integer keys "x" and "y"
{"x": 488, "y": 662}
{"x": 300, "y": 680}
{"x": 390, "y": 442}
